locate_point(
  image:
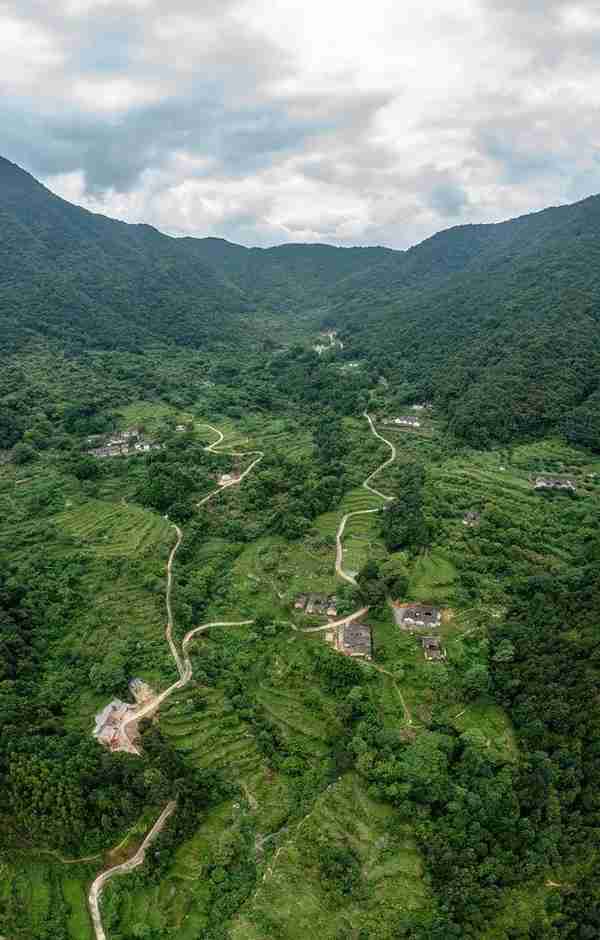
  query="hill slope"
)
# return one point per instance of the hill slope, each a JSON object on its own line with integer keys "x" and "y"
{"x": 499, "y": 323}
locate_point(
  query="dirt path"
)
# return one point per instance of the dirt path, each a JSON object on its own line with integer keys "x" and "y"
{"x": 212, "y": 449}
{"x": 339, "y": 553}
{"x": 131, "y": 863}
{"x": 405, "y": 707}
{"x": 385, "y": 464}
{"x": 333, "y": 623}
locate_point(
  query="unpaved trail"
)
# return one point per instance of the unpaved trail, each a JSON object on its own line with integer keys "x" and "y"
{"x": 334, "y": 623}
{"x": 122, "y": 869}
{"x": 212, "y": 449}
{"x": 339, "y": 552}
{"x": 390, "y": 675}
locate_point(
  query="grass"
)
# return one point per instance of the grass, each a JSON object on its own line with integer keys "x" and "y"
{"x": 432, "y": 577}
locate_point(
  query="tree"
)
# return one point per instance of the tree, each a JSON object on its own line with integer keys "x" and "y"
{"x": 23, "y": 453}
{"x": 403, "y": 524}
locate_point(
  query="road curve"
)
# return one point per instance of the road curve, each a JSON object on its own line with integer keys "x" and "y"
{"x": 334, "y": 623}
{"x": 211, "y": 449}
{"x": 385, "y": 464}
{"x": 339, "y": 548}
{"x": 131, "y": 863}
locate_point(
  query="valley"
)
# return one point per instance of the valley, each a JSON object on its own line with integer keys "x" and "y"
{"x": 343, "y": 551}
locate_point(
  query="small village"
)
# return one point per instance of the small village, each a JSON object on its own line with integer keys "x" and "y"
{"x": 416, "y": 618}
{"x": 121, "y": 444}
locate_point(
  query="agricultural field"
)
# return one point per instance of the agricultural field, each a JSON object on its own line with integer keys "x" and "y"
{"x": 40, "y": 896}
{"x": 295, "y": 896}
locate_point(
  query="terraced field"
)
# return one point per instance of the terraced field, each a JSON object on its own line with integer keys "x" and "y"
{"x": 486, "y": 483}
{"x": 209, "y": 733}
{"x": 41, "y": 896}
{"x": 298, "y": 724}
{"x": 112, "y": 530}
{"x": 291, "y": 901}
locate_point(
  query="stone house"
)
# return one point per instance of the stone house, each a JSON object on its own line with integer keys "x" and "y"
{"x": 417, "y": 616}
{"x": 432, "y": 648}
{"x": 355, "y": 640}
{"x": 555, "y": 483}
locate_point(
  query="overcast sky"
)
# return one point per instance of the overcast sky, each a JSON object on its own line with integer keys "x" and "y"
{"x": 269, "y": 121}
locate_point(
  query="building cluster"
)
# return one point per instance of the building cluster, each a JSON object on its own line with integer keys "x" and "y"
{"x": 120, "y": 444}
{"x": 555, "y": 483}
{"x": 109, "y": 729}
{"x": 422, "y": 618}
{"x": 405, "y": 421}
{"x": 317, "y": 604}
{"x": 114, "y": 728}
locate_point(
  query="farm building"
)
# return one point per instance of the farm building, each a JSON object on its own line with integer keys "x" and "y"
{"x": 432, "y": 648}
{"x": 555, "y": 483}
{"x": 406, "y": 421}
{"x": 410, "y": 616}
{"x": 355, "y": 640}
{"x": 320, "y": 604}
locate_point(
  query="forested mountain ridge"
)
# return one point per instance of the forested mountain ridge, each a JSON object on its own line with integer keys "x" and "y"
{"x": 83, "y": 280}
{"x": 499, "y": 324}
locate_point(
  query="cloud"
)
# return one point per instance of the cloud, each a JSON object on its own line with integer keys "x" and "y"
{"x": 292, "y": 121}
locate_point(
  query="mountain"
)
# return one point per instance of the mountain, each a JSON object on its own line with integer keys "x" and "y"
{"x": 81, "y": 279}
{"x": 500, "y": 324}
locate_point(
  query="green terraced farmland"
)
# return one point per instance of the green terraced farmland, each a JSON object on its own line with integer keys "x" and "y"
{"x": 209, "y": 733}
{"x": 111, "y": 530}
{"x": 291, "y": 900}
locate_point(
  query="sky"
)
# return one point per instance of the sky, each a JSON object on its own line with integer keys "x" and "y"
{"x": 376, "y": 123}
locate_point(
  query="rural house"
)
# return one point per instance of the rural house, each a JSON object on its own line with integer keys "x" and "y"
{"x": 411, "y": 616}
{"x": 320, "y": 604}
{"x": 432, "y": 648}
{"x": 471, "y": 518}
{"x": 355, "y": 640}
{"x": 407, "y": 421}
{"x": 555, "y": 483}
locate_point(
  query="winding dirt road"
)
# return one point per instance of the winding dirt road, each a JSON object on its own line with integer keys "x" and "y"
{"x": 122, "y": 869}
{"x": 212, "y": 449}
{"x": 185, "y": 670}
{"x": 184, "y": 666}
{"x": 339, "y": 554}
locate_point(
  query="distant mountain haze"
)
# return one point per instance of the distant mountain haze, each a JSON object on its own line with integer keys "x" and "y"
{"x": 498, "y": 323}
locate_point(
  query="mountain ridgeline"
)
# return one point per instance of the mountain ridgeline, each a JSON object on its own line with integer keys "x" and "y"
{"x": 498, "y": 324}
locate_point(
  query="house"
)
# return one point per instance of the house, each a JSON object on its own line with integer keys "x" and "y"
{"x": 432, "y": 648}
{"x": 227, "y": 479}
{"x": 320, "y": 604}
{"x": 409, "y": 616}
{"x": 471, "y": 518}
{"x": 555, "y": 483}
{"x": 179, "y": 428}
{"x": 407, "y": 421}
{"x": 355, "y": 640}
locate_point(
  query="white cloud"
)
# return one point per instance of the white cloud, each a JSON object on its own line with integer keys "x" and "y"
{"x": 302, "y": 120}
